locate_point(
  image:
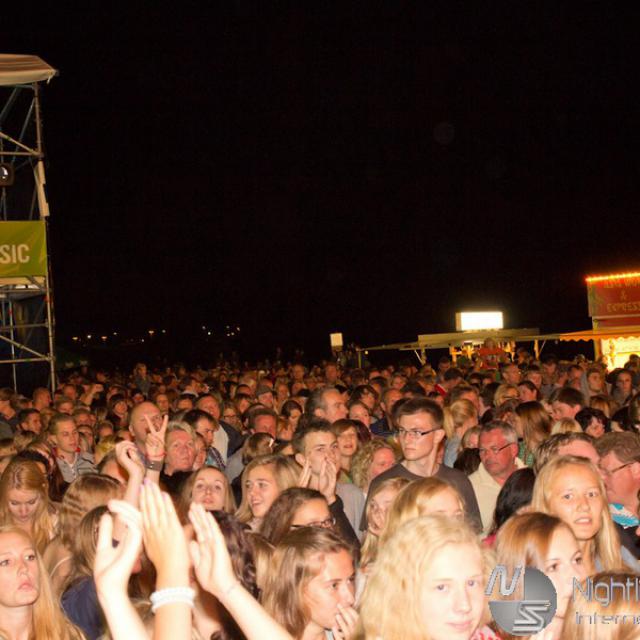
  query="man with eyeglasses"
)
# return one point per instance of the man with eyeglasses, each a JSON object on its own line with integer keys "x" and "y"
{"x": 620, "y": 470}
{"x": 498, "y": 447}
{"x": 420, "y": 434}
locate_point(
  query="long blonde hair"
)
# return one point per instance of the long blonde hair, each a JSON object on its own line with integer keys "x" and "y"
{"x": 391, "y": 604}
{"x": 606, "y": 546}
{"x": 413, "y": 502}
{"x": 626, "y": 611}
{"x": 48, "y": 620}
{"x": 26, "y": 475}
{"x": 285, "y": 471}
{"x": 296, "y": 561}
{"x": 456, "y": 414}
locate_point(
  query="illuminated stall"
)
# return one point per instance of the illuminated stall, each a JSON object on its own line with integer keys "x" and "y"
{"x": 614, "y": 308}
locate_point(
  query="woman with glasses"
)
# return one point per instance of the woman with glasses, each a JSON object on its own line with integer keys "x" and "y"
{"x": 301, "y": 507}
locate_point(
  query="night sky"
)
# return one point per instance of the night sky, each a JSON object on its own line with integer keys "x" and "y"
{"x": 302, "y": 168}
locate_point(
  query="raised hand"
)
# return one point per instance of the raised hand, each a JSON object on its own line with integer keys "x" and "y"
{"x": 346, "y": 621}
{"x": 129, "y": 459}
{"x": 163, "y": 537}
{"x": 113, "y": 565}
{"x": 154, "y": 442}
{"x": 210, "y": 555}
{"x": 305, "y": 475}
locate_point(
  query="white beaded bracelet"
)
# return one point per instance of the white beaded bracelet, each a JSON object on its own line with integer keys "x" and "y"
{"x": 172, "y": 595}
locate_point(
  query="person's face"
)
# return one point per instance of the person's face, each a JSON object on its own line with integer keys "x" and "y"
{"x": 526, "y": 395}
{"x": 294, "y": 418}
{"x": 335, "y": 408}
{"x": 138, "y": 426}
{"x": 265, "y": 424}
{"x": 22, "y": 504}
{"x": 348, "y": 442}
{"x": 511, "y": 374}
{"x": 472, "y": 442}
{"x": 65, "y": 407}
{"x": 369, "y": 400}
{"x": 334, "y": 585}
{"x": 19, "y": 573}
{"x": 185, "y": 404}
{"x": 313, "y": 513}
{"x": 496, "y": 454}
{"x": 84, "y": 420}
{"x": 595, "y": 428}
{"x": 624, "y": 383}
{"x": 298, "y": 373}
{"x": 561, "y": 410}
{"x": 562, "y": 564}
{"x": 535, "y": 377}
{"x": 358, "y": 412}
{"x": 181, "y": 451}
{"x": 446, "y": 503}
{"x": 381, "y": 460}
{"x": 206, "y": 429}
{"x": 473, "y": 398}
{"x": 266, "y": 399}
{"x": 379, "y": 508}
{"x": 595, "y": 382}
{"x": 162, "y": 402}
{"x": 621, "y": 482}
{"x": 33, "y": 423}
{"x": 330, "y": 374}
{"x": 452, "y": 596}
{"x": 414, "y": 446}
{"x": 210, "y": 405}
{"x": 105, "y": 432}
{"x": 581, "y": 449}
{"x": 201, "y": 454}
{"x": 318, "y": 447}
{"x": 390, "y": 399}
{"x": 510, "y": 394}
{"x": 575, "y": 498}
{"x": 67, "y": 439}
{"x": 210, "y": 489}
{"x": 261, "y": 490}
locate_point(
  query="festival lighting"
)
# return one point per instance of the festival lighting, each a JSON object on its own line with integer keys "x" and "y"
{"x": 612, "y": 276}
{"x": 479, "y": 320}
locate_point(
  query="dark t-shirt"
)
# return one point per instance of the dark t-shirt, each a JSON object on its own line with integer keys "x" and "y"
{"x": 454, "y": 477}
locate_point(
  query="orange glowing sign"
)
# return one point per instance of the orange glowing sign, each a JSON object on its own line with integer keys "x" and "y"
{"x": 614, "y": 296}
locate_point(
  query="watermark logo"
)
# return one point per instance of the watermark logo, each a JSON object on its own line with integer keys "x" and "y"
{"x": 531, "y": 614}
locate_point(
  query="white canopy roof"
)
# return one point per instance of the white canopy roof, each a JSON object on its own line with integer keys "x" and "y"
{"x": 19, "y": 69}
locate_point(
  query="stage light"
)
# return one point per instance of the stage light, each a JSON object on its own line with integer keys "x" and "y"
{"x": 7, "y": 174}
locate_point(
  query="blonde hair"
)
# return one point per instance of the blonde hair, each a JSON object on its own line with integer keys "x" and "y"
{"x": 606, "y": 541}
{"x": 361, "y": 462}
{"x": 391, "y": 604}
{"x": 47, "y": 619}
{"x": 87, "y": 492}
{"x": 104, "y": 448}
{"x": 501, "y": 392}
{"x": 566, "y": 425}
{"x": 456, "y": 414}
{"x": 26, "y": 475}
{"x": 618, "y": 605}
{"x": 413, "y": 502}
{"x": 369, "y": 548}
{"x": 23, "y": 439}
{"x": 296, "y": 561}
{"x": 536, "y": 424}
{"x": 286, "y": 473}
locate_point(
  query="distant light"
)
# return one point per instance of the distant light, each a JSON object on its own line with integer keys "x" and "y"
{"x": 142, "y": 340}
{"x": 75, "y": 338}
{"x": 151, "y": 332}
{"x": 237, "y": 328}
{"x": 479, "y": 320}
{"x": 204, "y": 328}
{"x": 208, "y": 333}
{"x": 164, "y": 331}
{"x": 89, "y": 336}
{"x": 336, "y": 340}
{"x": 115, "y": 333}
{"x": 613, "y": 276}
{"x": 103, "y": 338}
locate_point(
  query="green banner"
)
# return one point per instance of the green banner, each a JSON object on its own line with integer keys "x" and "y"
{"x": 23, "y": 249}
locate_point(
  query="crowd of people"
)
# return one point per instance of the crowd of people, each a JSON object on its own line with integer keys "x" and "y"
{"x": 328, "y": 502}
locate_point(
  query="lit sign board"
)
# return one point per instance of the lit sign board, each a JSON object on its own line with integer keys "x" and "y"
{"x": 614, "y": 296}
{"x": 479, "y": 320}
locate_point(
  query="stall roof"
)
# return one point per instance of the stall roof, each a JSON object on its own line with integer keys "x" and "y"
{"x": 22, "y": 69}
{"x": 609, "y": 333}
{"x": 458, "y": 338}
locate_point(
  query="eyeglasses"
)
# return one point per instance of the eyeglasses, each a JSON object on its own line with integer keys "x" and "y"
{"x": 415, "y": 435}
{"x": 494, "y": 450}
{"x": 324, "y": 524}
{"x": 609, "y": 472}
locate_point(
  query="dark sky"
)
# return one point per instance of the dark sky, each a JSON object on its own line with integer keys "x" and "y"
{"x": 310, "y": 167}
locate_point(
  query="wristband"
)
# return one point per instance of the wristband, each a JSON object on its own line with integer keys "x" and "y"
{"x": 172, "y": 595}
{"x": 154, "y": 465}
